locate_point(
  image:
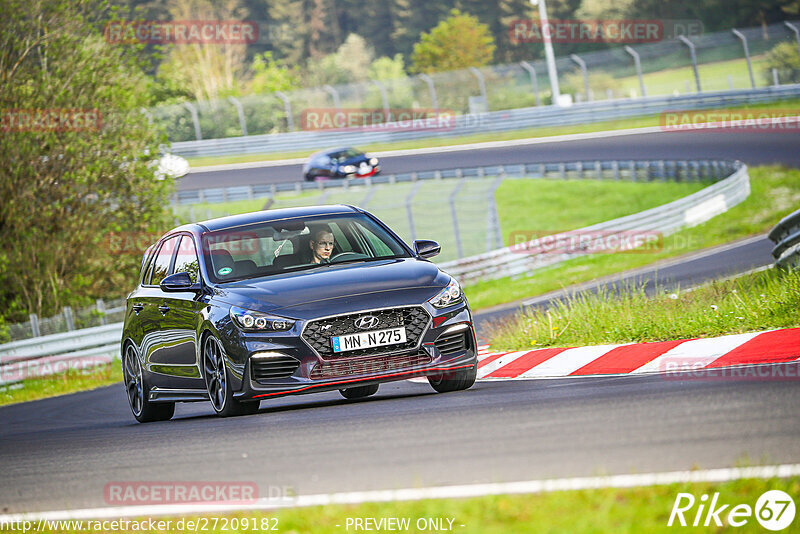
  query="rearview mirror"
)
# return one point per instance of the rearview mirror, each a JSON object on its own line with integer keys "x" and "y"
{"x": 177, "y": 282}
{"x": 427, "y": 249}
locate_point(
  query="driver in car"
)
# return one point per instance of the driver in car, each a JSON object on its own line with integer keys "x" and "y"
{"x": 321, "y": 246}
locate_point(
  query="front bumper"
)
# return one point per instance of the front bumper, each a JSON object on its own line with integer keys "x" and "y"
{"x": 425, "y": 360}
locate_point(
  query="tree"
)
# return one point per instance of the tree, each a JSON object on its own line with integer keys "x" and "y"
{"x": 350, "y": 63}
{"x": 784, "y": 58}
{"x": 270, "y": 76}
{"x": 458, "y": 42}
{"x": 85, "y": 172}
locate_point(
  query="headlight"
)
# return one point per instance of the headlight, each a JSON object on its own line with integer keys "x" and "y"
{"x": 348, "y": 169}
{"x": 448, "y": 296}
{"x": 253, "y": 321}
{"x": 373, "y": 161}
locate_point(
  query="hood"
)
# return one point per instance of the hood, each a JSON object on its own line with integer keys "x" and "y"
{"x": 346, "y": 281}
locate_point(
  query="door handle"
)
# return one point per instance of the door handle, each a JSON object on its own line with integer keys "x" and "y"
{"x": 137, "y": 308}
{"x": 163, "y": 309}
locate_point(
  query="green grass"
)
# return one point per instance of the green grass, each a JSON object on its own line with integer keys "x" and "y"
{"x": 61, "y": 384}
{"x": 758, "y": 301}
{"x": 528, "y": 133}
{"x": 775, "y": 192}
{"x": 628, "y": 510}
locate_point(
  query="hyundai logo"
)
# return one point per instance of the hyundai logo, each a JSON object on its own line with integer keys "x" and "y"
{"x": 366, "y": 322}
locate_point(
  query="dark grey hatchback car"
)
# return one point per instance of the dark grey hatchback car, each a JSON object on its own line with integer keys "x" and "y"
{"x": 292, "y": 301}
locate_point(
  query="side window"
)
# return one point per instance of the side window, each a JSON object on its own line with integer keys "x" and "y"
{"x": 380, "y": 248}
{"x": 146, "y": 263}
{"x": 342, "y": 244}
{"x": 186, "y": 260}
{"x": 162, "y": 260}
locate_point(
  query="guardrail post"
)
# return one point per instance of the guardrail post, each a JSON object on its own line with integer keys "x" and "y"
{"x": 69, "y": 319}
{"x": 796, "y": 32}
{"x": 493, "y": 234}
{"x": 562, "y": 171}
{"x": 634, "y": 178}
{"x": 432, "y": 90}
{"x": 335, "y": 95}
{"x": 716, "y": 169}
{"x": 453, "y": 214}
{"x": 287, "y": 108}
{"x": 579, "y": 169}
{"x": 35, "y": 331}
{"x": 250, "y": 193}
{"x": 195, "y": 119}
{"x": 409, "y": 211}
{"x": 662, "y": 171}
{"x": 534, "y": 82}
{"x": 598, "y": 169}
{"x": 742, "y": 38}
{"x": 775, "y": 81}
{"x": 638, "y": 64}
{"x": 384, "y": 100}
{"x": 690, "y": 44}
{"x": 100, "y": 305}
{"x": 615, "y": 169}
{"x": 582, "y": 64}
{"x": 240, "y": 112}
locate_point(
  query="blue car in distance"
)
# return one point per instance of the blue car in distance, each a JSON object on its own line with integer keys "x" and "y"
{"x": 250, "y": 307}
{"x": 340, "y": 163}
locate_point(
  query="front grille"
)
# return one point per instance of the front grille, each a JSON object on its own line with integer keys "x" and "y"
{"x": 369, "y": 365}
{"x": 452, "y": 344}
{"x": 263, "y": 369}
{"x": 318, "y": 333}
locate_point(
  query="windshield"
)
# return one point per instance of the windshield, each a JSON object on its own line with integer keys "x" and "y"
{"x": 296, "y": 244}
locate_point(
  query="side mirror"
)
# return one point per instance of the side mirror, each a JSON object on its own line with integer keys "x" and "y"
{"x": 426, "y": 249}
{"x": 177, "y": 282}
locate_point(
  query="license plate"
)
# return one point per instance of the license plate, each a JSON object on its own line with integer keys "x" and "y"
{"x": 367, "y": 340}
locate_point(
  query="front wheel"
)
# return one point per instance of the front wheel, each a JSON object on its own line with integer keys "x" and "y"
{"x": 454, "y": 380}
{"x": 136, "y": 388}
{"x": 220, "y": 392}
{"x": 359, "y": 392}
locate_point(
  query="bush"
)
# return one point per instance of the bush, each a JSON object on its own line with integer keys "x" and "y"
{"x": 783, "y": 57}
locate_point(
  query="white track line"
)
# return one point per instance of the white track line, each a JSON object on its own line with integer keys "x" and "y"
{"x": 414, "y": 494}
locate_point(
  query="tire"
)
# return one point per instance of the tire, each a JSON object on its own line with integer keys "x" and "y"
{"x": 454, "y": 380}
{"x": 136, "y": 389}
{"x": 359, "y": 392}
{"x": 217, "y": 379}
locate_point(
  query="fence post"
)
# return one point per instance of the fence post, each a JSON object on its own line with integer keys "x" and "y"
{"x": 690, "y": 44}
{"x": 638, "y": 64}
{"x": 287, "y": 108}
{"x": 335, "y": 95}
{"x": 481, "y": 84}
{"x": 69, "y": 319}
{"x": 454, "y": 216}
{"x": 775, "y": 81}
{"x": 101, "y": 309}
{"x": 742, "y": 38}
{"x": 240, "y": 112}
{"x": 534, "y": 82}
{"x": 195, "y": 119}
{"x": 35, "y": 325}
{"x": 582, "y": 64}
{"x": 409, "y": 211}
{"x": 385, "y": 100}
{"x": 493, "y": 234}
{"x": 432, "y": 90}
{"x": 796, "y": 32}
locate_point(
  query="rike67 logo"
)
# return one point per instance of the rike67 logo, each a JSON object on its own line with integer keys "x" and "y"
{"x": 774, "y": 510}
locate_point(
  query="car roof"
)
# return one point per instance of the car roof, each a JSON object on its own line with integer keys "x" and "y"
{"x": 233, "y": 221}
{"x": 329, "y": 151}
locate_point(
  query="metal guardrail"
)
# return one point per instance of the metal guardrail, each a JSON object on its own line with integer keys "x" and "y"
{"x": 56, "y": 353}
{"x": 496, "y": 121}
{"x": 688, "y": 211}
{"x": 786, "y": 236}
